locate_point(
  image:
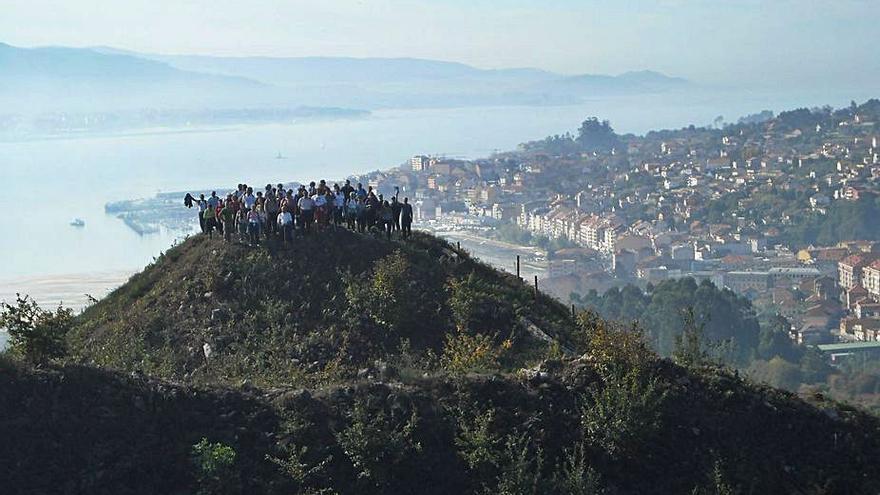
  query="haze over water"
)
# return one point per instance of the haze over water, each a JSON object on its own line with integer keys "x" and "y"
{"x": 80, "y": 175}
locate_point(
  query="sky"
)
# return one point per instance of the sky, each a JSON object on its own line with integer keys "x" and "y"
{"x": 712, "y": 41}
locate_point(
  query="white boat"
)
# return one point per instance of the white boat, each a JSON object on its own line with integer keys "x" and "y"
{"x": 77, "y": 222}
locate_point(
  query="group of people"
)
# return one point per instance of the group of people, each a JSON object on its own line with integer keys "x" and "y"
{"x": 279, "y": 213}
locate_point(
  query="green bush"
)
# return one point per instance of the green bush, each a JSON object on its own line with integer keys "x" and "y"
{"x": 477, "y": 444}
{"x": 624, "y": 413}
{"x": 521, "y": 468}
{"x": 36, "y": 335}
{"x": 575, "y": 476}
{"x": 464, "y": 352}
{"x": 214, "y": 464}
{"x": 378, "y": 443}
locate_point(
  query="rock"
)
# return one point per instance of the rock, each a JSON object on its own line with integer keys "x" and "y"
{"x": 831, "y": 413}
{"x": 207, "y": 295}
{"x": 206, "y": 349}
{"x": 363, "y": 373}
{"x": 292, "y": 398}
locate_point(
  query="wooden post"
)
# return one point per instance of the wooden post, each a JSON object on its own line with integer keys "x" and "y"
{"x": 458, "y": 245}
{"x": 536, "y": 286}
{"x": 517, "y": 267}
{"x": 572, "y": 311}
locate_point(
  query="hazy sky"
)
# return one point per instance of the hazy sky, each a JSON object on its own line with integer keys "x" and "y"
{"x": 711, "y": 41}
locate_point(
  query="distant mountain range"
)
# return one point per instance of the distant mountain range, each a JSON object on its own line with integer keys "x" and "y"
{"x": 101, "y": 77}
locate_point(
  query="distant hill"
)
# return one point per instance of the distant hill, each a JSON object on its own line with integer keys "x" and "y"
{"x": 56, "y": 78}
{"x": 409, "y": 82}
{"x": 99, "y": 79}
{"x": 351, "y": 364}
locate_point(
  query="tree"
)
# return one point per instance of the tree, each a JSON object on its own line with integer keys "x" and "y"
{"x": 594, "y": 135}
{"x": 689, "y": 346}
{"x": 36, "y": 335}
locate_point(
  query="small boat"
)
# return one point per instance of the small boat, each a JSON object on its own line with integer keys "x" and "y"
{"x": 279, "y": 156}
{"x": 77, "y": 222}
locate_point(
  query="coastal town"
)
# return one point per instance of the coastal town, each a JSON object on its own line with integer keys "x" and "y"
{"x": 780, "y": 209}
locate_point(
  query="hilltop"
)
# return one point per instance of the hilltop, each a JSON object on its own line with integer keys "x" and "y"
{"x": 357, "y": 365}
{"x": 320, "y": 311}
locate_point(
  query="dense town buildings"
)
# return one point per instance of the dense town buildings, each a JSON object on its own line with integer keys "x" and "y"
{"x": 758, "y": 208}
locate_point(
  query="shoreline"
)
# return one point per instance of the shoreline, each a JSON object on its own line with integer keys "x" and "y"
{"x": 73, "y": 290}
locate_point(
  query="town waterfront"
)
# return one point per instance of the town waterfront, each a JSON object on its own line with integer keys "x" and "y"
{"x": 82, "y": 174}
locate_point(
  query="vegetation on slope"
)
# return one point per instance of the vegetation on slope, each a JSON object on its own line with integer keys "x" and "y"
{"x": 212, "y": 312}
{"x": 429, "y": 379}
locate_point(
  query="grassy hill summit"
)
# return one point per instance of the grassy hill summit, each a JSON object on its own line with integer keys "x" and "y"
{"x": 351, "y": 364}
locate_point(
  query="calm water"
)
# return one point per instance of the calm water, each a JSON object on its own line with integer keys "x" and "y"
{"x": 48, "y": 182}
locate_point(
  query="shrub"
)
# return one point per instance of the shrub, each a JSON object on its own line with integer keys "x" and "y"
{"x": 477, "y": 444}
{"x": 575, "y": 476}
{"x": 614, "y": 349}
{"x": 401, "y": 298}
{"x": 476, "y": 307}
{"x": 624, "y": 412}
{"x": 35, "y": 334}
{"x": 377, "y": 443}
{"x": 521, "y": 467}
{"x": 301, "y": 472}
{"x": 464, "y": 352}
{"x": 214, "y": 466}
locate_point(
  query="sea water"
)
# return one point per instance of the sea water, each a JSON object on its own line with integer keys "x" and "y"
{"x": 47, "y": 182}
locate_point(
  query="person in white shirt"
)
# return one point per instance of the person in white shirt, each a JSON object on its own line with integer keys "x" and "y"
{"x": 249, "y": 199}
{"x": 307, "y": 212}
{"x": 338, "y": 207}
{"x": 285, "y": 226}
{"x": 203, "y": 205}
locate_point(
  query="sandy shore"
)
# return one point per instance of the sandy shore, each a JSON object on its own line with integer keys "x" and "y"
{"x": 71, "y": 290}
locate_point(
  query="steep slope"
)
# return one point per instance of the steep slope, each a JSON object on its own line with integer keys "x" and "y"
{"x": 320, "y": 311}
{"x": 355, "y": 365}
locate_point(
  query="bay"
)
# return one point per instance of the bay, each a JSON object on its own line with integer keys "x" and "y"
{"x": 48, "y": 182}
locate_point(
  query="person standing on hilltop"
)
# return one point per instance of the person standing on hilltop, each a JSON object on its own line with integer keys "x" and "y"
{"x": 338, "y": 205}
{"x": 227, "y": 218}
{"x": 351, "y": 211}
{"x": 203, "y": 205}
{"x": 347, "y": 190}
{"x": 406, "y": 218}
{"x": 241, "y": 221}
{"x": 254, "y": 222}
{"x": 271, "y": 206}
{"x": 285, "y": 226}
{"x": 386, "y": 217}
{"x": 210, "y": 218}
{"x": 249, "y": 200}
{"x": 395, "y": 213}
{"x": 320, "y": 201}
{"x": 307, "y": 211}
{"x": 219, "y": 223}
{"x": 213, "y": 203}
{"x": 372, "y": 207}
{"x": 362, "y": 215}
